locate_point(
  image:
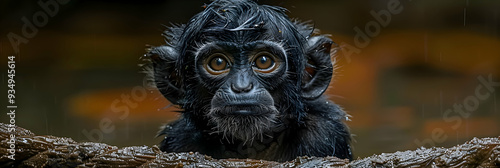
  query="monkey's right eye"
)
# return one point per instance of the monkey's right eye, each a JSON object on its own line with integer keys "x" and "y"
{"x": 217, "y": 64}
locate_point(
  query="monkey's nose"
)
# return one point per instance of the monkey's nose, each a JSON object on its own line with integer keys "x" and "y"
{"x": 240, "y": 89}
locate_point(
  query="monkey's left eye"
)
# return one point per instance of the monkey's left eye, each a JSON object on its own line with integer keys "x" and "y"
{"x": 217, "y": 64}
{"x": 264, "y": 62}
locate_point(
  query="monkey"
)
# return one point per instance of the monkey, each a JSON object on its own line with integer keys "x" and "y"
{"x": 249, "y": 82}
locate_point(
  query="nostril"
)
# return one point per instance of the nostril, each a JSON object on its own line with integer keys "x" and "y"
{"x": 238, "y": 89}
{"x": 248, "y": 88}
{"x": 234, "y": 88}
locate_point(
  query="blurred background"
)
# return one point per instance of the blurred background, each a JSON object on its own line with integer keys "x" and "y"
{"x": 410, "y": 73}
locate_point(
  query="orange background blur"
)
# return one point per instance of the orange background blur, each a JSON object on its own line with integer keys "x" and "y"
{"x": 400, "y": 87}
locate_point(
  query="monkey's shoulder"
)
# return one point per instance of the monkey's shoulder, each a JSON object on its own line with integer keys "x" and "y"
{"x": 324, "y": 132}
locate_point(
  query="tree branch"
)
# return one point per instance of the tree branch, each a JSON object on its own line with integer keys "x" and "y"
{"x": 49, "y": 151}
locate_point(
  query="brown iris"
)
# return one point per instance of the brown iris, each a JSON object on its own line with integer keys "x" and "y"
{"x": 264, "y": 62}
{"x": 217, "y": 64}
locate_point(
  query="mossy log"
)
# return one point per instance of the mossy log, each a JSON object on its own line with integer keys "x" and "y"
{"x": 49, "y": 151}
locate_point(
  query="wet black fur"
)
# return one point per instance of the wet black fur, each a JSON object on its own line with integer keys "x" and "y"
{"x": 301, "y": 126}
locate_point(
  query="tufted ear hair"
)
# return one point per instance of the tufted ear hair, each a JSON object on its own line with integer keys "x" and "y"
{"x": 319, "y": 68}
{"x": 167, "y": 80}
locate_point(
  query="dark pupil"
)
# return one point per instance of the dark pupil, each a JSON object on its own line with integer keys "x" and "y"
{"x": 263, "y": 60}
{"x": 218, "y": 62}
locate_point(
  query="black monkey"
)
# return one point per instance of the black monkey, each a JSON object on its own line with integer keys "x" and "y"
{"x": 249, "y": 81}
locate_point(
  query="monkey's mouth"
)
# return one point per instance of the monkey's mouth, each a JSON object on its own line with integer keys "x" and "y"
{"x": 243, "y": 110}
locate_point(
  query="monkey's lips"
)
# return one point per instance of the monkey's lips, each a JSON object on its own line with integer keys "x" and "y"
{"x": 243, "y": 110}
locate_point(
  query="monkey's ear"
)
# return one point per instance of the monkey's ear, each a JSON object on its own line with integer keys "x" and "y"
{"x": 167, "y": 80}
{"x": 319, "y": 68}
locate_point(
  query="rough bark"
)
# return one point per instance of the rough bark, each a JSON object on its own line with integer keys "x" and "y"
{"x": 49, "y": 151}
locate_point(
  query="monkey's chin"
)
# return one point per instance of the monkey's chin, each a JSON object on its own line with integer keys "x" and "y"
{"x": 242, "y": 124}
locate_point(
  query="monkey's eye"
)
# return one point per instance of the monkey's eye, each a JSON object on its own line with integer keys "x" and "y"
{"x": 217, "y": 64}
{"x": 264, "y": 62}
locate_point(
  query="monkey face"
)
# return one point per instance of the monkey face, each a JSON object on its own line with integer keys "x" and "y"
{"x": 242, "y": 79}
